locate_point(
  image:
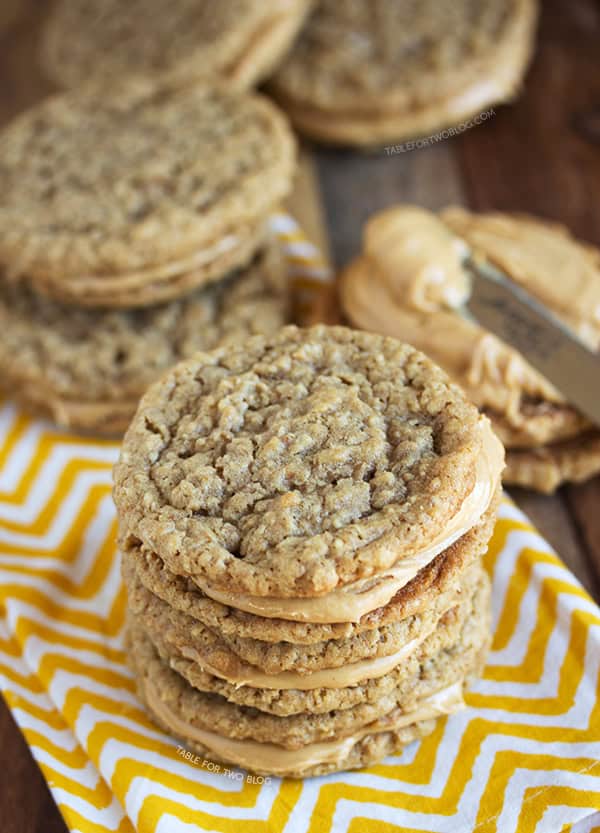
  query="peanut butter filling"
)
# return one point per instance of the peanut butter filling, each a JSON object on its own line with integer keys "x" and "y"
{"x": 342, "y": 677}
{"x": 279, "y": 761}
{"x": 352, "y": 601}
{"x": 203, "y": 257}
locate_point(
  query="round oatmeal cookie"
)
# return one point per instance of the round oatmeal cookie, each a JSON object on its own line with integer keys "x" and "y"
{"x": 297, "y": 462}
{"x": 438, "y": 670}
{"x": 435, "y": 585}
{"x": 230, "y": 655}
{"x": 135, "y": 198}
{"x": 87, "y": 369}
{"x": 366, "y": 72}
{"x": 464, "y": 625}
{"x": 238, "y": 42}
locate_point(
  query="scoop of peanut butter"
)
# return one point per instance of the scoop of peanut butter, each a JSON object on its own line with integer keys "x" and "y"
{"x": 410, "y": 280}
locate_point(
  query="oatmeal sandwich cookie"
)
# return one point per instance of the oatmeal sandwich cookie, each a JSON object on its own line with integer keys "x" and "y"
{"x": 238, "y": 42}
{"x": 139, "y": 197}
{"x": 433, "y": 588}
{"x": 409, "y": 280}
{"x": 301, "y": 522}
{"x": 367, "y": 72}
{"x": 87, "y": 369}
{"x": 211, "y": 664}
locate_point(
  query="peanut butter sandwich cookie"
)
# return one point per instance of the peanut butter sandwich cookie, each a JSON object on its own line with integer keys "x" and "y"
{"x": 433, "y": 588}
{"x": 367, "y": 72}
{"x": 306, "y": 743}
{"x": 238, "y": 42}
{"x": 370, "y": 674}
{"x": 301, "y": 523}
{"x": 87, "y": 368}
{"x": 409, "y": 280}
{"x": 141, "y": 196}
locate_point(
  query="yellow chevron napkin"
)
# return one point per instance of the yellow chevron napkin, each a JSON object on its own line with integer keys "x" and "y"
{"x": 524, "y": 756}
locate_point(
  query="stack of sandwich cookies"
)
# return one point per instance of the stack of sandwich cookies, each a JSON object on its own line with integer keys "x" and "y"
{"x": 301, "y": 525}
{"x": 368, "y": 72}
{"x": 238, "y": 42}
{"x": 409, "y": 280}
{"x": 133, "y": 232}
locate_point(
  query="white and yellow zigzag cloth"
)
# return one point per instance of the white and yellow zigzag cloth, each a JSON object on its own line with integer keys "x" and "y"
{"x": 524, "y": 756}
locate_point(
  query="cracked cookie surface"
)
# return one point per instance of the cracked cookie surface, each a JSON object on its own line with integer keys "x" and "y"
{"x": 296, "y": 463}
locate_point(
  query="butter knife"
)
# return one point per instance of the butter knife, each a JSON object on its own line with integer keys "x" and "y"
{"x": 513, "y": 315}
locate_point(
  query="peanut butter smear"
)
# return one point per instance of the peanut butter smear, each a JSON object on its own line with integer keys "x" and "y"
{"x": 410, "y": 277}
{"x": 418, "y": 258}
{"x": 561, "y": 272}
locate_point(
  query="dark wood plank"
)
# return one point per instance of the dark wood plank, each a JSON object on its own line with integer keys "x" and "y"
{"x": 584, "y": 502}
{"x": 542, "y": 155}
{"x": 355, "y": 185}
{"x": 553, "y": 516}
{"x": 23, "y": 82}
{"x": 26, "y": 805}
{"x": 305, "y": 202}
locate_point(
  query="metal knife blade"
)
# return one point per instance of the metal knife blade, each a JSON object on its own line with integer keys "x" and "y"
{"x": 511, "y": 313}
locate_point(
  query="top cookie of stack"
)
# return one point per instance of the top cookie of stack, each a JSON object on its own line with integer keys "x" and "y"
{"x": 238, "y": 42}
{"x": 145, "y": 198}
{"x": 301, "y": 521}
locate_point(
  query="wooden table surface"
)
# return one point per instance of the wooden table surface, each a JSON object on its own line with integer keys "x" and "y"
{"x": 540, "y": 154}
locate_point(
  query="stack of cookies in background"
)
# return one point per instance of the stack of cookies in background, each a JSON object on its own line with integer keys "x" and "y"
{"x": 358, "y": 72}
{"x": 369, "y": 72}
{"x": 133, "y": 232}
{"x": 409, "y": 281}
{"x": 301, "y": 520}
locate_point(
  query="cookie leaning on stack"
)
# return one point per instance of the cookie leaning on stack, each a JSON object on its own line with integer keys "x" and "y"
{"x": 153, "y": 199}
{"x": 367, "y": 72}
{"x": 301, "y": 520}
{"x": 238, "y": 42}
{"x": 409, "y": 281}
